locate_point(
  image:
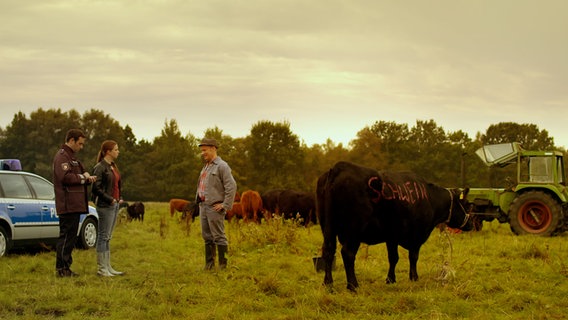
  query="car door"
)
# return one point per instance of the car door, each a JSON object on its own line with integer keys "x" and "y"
{"x": 22, "y": 209}
{"x": 44, "y": 193}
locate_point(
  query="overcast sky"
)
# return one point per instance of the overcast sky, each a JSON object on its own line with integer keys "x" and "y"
{"x": 328, "y": 67}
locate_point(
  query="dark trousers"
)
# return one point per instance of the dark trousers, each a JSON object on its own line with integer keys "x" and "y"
{"x": 68, "y": 228}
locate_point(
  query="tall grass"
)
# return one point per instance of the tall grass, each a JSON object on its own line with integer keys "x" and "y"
{"x": 490, "y": 274}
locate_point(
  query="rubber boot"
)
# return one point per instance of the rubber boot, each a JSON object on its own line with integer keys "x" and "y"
{"x": 209, "y": 256}
{"x": 102, "y": 265}
{"x": 109, "y": 267}
{"x": 222, "y": 259}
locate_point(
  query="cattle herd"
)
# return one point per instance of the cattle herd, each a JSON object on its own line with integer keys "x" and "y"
{"x": 354, "y": 204}
{"x": 251, "y": 206}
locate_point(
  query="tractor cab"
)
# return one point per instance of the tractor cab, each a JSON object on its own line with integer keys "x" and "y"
{"x": 533, "y": 167}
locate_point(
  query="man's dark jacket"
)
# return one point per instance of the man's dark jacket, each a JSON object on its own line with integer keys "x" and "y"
{"x": 69, "y": 183}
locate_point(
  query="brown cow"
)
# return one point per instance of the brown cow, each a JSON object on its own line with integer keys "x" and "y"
{"x": 179, "y": 205}
{"x": 185, "y": 207}
{"x": 252, "y": 206}
{"x": 235, "y": 212}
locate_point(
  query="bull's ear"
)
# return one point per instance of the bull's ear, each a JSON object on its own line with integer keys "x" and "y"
{"x": 464, "y": 193}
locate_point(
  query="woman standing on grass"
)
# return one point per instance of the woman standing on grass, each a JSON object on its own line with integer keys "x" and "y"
{"x": 106, "y": 196}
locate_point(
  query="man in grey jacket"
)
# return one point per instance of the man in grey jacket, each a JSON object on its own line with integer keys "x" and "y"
{"x": 216, "y": 190}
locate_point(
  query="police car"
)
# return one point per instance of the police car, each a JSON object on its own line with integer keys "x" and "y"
{"x": 27, "y": 211}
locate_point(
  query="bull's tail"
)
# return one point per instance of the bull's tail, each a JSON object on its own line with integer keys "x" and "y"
{"x": 247, "y": 208}
{"x": 259, "y": 211}
{"x": 172, "y": 209}
{"x": 320, "y": 201}
{"x": 323, "y": 209}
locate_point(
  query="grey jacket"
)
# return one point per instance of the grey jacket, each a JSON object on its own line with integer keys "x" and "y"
{"x": 220, "y": 186}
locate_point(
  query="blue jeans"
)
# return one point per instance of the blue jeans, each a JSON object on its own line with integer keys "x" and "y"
{"x": 107, "y": 221}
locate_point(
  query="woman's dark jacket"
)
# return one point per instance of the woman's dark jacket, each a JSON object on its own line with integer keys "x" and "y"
{"x": 101, "y": 194}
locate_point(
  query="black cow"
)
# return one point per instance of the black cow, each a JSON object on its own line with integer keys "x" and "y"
{"x": 357, "y": 204}
{"x": 136, "y": 211}
{"x": 270, "y": 201}
{"x": 122, "y": 204}
{"x": 292, "y": 204}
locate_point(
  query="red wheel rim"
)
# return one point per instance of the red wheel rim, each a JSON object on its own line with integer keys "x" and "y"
{"x": 535, "y": 217}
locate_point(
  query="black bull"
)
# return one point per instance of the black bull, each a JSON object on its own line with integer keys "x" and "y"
{"x": 360, "y": 205}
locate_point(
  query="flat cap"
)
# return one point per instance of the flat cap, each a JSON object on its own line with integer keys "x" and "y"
{"x": 209, "y": 142}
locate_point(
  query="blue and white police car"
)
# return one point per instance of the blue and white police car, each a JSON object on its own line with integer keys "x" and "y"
{"x": 27, "y": 211}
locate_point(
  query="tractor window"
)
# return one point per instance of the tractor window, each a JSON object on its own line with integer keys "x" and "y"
{"x": 540, "y": 170}
{"x": 560, "y": 170}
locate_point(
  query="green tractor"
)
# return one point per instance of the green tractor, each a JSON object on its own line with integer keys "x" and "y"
{"x": 536, "y": 203}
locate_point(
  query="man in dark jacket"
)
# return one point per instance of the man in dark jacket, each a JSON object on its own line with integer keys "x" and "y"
{"x": 70, "y": 181}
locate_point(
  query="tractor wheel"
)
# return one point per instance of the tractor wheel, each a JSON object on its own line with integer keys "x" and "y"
{"x": 534, "y": 212}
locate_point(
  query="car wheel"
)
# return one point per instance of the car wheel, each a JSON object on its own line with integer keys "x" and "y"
{"x": 4, "y": 242}
{"x": 88, "y": 234}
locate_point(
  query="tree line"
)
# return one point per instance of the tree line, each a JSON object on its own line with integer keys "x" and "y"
{"x": 270, "y": 157}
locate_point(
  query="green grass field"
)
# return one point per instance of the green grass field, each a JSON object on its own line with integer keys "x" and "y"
{"x": 491, "y": 274}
